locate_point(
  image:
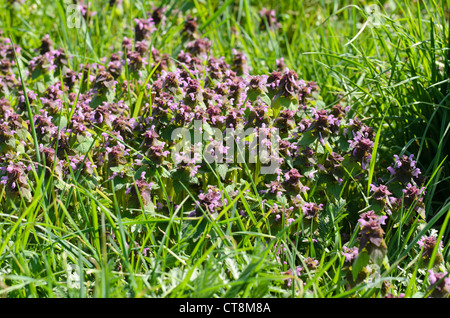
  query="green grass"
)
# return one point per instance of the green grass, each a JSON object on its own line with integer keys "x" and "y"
{"x": 394, "y": 76}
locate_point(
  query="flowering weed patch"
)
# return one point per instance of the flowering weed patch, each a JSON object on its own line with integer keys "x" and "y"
{"x": 164, "y": 173}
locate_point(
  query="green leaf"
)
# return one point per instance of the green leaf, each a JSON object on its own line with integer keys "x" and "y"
{"x": 261, "y": 289}
{"x": 149, "y": 207}
{"x": 320, "y": 104}
{"x": 119, "y": 183}
{"x": 335, "y": 189}
{"x": 207, "y": 128}
{"x": 265, "y": 99}
{"x": 289, "y": 103}
{"x": 306, "y": 139}
{"x": 23, "y": 134}
{"x": 61, "y": 120}
{"x": 253, "y": 95}
{"x": 232, "y": 266}
{"x": 222, "y": 169}
{"x": 26, "y": 193}
{"x": 84, "y": 143}
{"x": 11, "y": 142}
{"x": 361, "y": 261}
{"x": 351, "y": 166}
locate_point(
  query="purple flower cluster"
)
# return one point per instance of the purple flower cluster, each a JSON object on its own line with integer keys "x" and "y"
{"x": 15, "y": 177}
{"x": 372, "y": 234}
{"x": 427, "y": 245}
{"x": 311, "y": 210}
{"x": 269, "y": 18}
{"x": 404, "y": 169}
{"x": 211, "y": 200}
{"x": 440, "y": 284}
{"x": 48, "y": 60}
{"x": 104, "y": 124}
{"x": 361, "y": 146}
{"x": 350, "y": 253}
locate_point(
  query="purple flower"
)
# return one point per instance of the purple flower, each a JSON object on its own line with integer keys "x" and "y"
{"x": 62, "y": 139}
{"x": 285, "y": 120}
{"x": 257, "y": 83}
{"x": 281, "y": 65}
{"x": 217, "y": 68}
{"x": 7, "y": 50}
{"x": 355, "y": 124}
{"x": 286, "y": 148}
{"x": 193, "y": 92}
{"x": 268, "y": 17}
{"x": 412, "y": 199}
{"x": 282, "y": 213}
{"x": 127, "y": 44}
{"x": 101, "y": 114}
{"x": 338, "y": 111}
{"x": 440, "y": 283}
{"x": 141, "y": 48}
{"x": 187, "y": 161}
{"x": 115, "y": 65}
{"x": 361, "y": 148}
{"x": 292, "y": 180}
{"x": 156, "y": 152}
{"x": 311, "y": 210}
{"x": 279, "y": 251}
{"x": 32, "y": 96}
{"x": 76, "y": 162}
{"x": 15, "y": 177}
{"x": 311, "y": 263}
{"x": 5, "y": 67}
{"x": 49, "y": 156}
{"x": 46, "y": 44}
{"x": 135, "y": 61}
{"x": 350, "y": 254}
{"x": 289, "y": 84}
{"x": 324, "y": 122}
{"x": 124, "y": 126}
{"x": 145, "y": 251}
{"x": 46, "y": 62}
{"x": 143, "y": 29}
{"x": 275, "y": 187}
{"x": 70, "y": 79}
{"x": 372, "y": 235}
{"x": 427, "y": 245}
{"x": 273, "y": 81}
{"x": 44, "y": 125}
{"x": 333, "y": 161}
{"x": 158, "y": 15}
{"x": 239, "y": 64}
{"x": 5, "y": 108}
{"x": 371, "y": 219}
{"x": 380, "y": 193}
{"x": 104, "y": 81}
{"x": 258, "y": 114}
{"x": 199, "y": 47}
{"x": 116, "y": 155}
{"x": 59, "y": 58}
{"x": 413, "y": 194}
{"x": 211, "y": 199}
{"x": 143, "y": 187}
{"x": 190, "y": 26}
{"x": 6, "y": 133}
{"x": 404, "y": 169}
{"x": 162, "y": 59}
{"x": 290, "y": 272}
